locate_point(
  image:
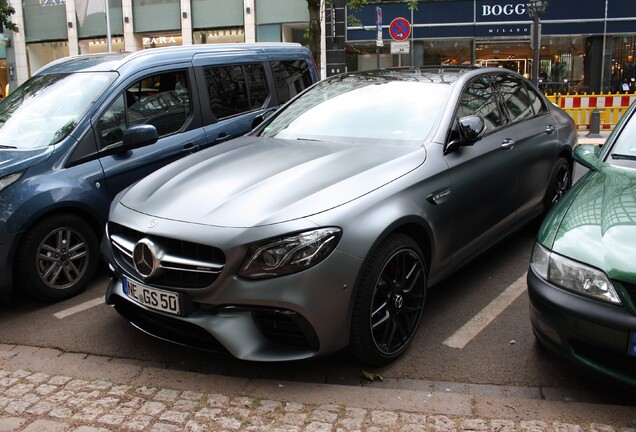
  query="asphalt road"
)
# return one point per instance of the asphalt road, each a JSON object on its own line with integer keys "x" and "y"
{"x": 503, "y": 352}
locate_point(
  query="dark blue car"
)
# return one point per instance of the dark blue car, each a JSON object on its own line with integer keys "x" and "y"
{"x": 83, "y": 128}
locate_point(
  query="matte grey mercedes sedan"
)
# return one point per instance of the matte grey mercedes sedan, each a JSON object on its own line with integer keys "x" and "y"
{"x": 324, "y": 227}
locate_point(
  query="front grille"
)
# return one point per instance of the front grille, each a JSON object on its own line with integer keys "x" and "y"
{"x": 167, "y": 328}
{"x": 182, "y": 265}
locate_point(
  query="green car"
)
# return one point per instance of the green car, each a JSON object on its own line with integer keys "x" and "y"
{"x": 582, "y": 277}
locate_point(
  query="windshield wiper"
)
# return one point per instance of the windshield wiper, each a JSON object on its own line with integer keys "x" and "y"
{"x": 623, "y": 156}
{"x": 7, "y": 147}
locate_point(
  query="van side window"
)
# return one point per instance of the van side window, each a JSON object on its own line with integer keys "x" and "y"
{"x": 161, "y": 100}
{"x": 229, "y": 92}
{"x": 291, "y": 77}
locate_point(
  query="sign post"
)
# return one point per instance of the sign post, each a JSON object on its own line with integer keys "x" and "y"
{"x": 400, "y": 29}
{"x": 379, "y": 42}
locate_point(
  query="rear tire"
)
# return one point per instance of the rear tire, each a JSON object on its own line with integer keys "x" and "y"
{"x": 559, "y": 183}
{"x": 389, "y": 301}
{"x": 57, "y": 258}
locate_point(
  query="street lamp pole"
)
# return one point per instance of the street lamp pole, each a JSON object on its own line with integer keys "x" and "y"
{"x": 536, "y": 9}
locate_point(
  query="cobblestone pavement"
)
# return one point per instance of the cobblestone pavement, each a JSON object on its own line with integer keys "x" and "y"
{"x": 45, "y": 390}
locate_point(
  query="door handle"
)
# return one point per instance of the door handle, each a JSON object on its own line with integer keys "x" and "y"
{"x": 222, "y": 137}
{"x": 508, "y": 143}
{"x": 190, "y": 148}
{"x": 549, "y": 129}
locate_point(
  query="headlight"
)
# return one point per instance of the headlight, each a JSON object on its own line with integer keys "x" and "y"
{"x": 289, "y": 254}
{"x": 572, "y": 275}
{"x": 10, "y": 179}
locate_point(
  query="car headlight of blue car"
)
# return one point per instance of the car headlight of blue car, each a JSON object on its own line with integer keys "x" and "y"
{"x": 573, "y": 276}
{"x": 10, "y": 179}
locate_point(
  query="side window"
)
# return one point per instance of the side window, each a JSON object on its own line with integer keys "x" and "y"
{"x": 291, "y": 77}
{"x": 112, "y": 124}
{"x": 257, "y": 81}
{"x": 535, "y": 100}
{"x": 515, "y": 98}
{"x": 161, "y": 100}
{"x": 479, "y": 99}
{"x": 236, "y": 89}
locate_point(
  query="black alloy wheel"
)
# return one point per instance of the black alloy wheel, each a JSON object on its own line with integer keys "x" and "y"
{"x": 389, "y": 302}
{"x": 559, "y": 183}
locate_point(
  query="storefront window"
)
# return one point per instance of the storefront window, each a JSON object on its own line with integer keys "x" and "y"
{"x": 100, "y": 45}
{"x": 223, "y": 35}
{"x": 623, "y": 74}
{"x": 40, "y": 54}
{"x": 205, "y": 13}
{"x": 44, "y": 20}
{"x": 362, "y": 55}
{"x": 91, "y": 18}
{"x": 156, "y": 15}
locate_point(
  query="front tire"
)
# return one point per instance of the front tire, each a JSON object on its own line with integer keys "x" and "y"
{"x": 389, "y": 301}
{"x": 57, "y": 258}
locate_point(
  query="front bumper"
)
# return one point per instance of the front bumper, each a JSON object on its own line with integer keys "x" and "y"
{"x": 590, "y": 333}
{"x": 7, "y": 253}
{"x": 289, "y": 318}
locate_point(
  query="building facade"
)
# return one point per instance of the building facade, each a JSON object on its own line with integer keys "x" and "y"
{"x": 586, "y": 45}
{"x": 51, "y": 29}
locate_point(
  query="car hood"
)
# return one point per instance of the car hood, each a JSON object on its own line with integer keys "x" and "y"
{"x": 599, "y": 227}
{"x": 254, "y": 181}
{"x": 12, "y": 161}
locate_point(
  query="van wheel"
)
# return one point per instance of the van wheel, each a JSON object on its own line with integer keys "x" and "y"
{"x": 559, "y": 183}
{"x": 389, "y": 301}
{"x": 57, "y": 258}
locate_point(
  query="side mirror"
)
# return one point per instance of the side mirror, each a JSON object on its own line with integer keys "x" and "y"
{"x": 262, "y": 117}
{"x": 587, "y": 155}
{"x": 139, "y": 136}
{"x": 470, "y": 129}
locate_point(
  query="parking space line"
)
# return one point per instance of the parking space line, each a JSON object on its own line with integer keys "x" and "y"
{"x": 79, "y": 308}
{"x": 479, "y": 322}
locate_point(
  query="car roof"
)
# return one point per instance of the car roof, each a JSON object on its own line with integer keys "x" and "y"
{"x": 156, "y": 56}
{"x": 432, "y": 74}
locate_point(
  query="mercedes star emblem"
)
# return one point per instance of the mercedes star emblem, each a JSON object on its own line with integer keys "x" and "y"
{"x": 145, "y": 258}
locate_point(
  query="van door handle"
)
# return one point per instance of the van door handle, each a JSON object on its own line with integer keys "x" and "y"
{"x": 222, "y": 137}
{"x": 549, "y": 129}
{"x": 190, "y": 148}
{"x": 508, "y": 143}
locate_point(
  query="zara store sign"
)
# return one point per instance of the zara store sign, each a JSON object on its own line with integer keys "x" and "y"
{"x": 159, "y": 40}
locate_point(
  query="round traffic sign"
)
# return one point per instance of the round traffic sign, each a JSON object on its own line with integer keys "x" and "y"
{"x": 400, "y": 29}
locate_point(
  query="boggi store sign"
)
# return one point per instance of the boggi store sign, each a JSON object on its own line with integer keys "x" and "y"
{"x": 507, "y": 10}
{"x": 492, "y": 18}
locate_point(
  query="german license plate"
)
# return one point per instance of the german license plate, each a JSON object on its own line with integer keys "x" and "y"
{"x": 153, "y": 298}
{"x": 632, "y": 344}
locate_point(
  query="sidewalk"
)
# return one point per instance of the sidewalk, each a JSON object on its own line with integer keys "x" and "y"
{"x": 46, "y": 390}
{"x": 585, "y": 139}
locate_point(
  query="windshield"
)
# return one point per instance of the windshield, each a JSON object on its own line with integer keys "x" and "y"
{"x": 623, "y": 153}
{"x": 46, "y": 108}
{"x": 362, "y": 109}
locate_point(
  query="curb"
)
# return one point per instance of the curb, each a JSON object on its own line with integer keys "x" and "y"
{"x": 93, "y": 393}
